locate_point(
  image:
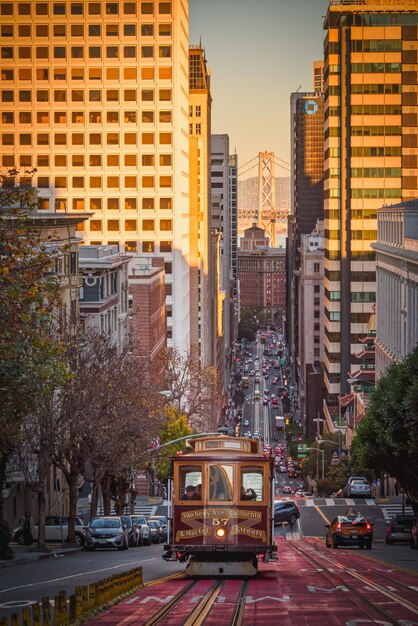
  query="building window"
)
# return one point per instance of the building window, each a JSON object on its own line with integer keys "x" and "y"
{"x": 148, "y": 246}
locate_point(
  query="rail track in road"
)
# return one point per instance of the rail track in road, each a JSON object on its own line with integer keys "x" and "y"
{"x": 310, "y": 584}
{"x": 394, "y": 602}
{"x": 179, "y": 610}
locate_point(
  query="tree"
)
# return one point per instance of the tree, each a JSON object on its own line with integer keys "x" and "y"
{"x": 106, "y": 413}
{"x": 176, "y": 426}
{"x": 30, "y": 298}
{"x": 386, "y": 439}
{"x": 192, "y": 387}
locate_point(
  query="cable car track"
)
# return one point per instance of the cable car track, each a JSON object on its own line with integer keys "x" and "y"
{"x": 337, "y": 579}
{"x": 342, "y": 555}
{"x": 202, "y": 609}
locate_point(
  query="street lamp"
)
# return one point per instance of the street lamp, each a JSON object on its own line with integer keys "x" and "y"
{"x": 323, "y": 460}
{"x": 335, "y": 443}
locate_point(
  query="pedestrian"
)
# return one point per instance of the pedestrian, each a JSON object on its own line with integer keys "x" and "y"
{"x": 28, "y": 528}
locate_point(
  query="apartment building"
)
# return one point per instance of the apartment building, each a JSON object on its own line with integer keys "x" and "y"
{"x": 371, "y": 152}
{"x": 94, "y": 95}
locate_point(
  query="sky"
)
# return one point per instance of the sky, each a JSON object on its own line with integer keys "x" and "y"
{"x": 259, "y": 52}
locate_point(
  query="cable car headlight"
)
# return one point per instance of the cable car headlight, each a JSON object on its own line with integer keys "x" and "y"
{"x": 220, "y": 532}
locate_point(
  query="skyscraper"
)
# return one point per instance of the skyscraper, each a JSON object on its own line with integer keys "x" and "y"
{"x": 307, "y": 203}
{"x": 93, "y": 95}
{"x": 371, "y": 158}
{"x": 202, "y": 271}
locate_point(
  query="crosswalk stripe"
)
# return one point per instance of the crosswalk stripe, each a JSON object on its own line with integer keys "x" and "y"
{"x": 329, "y": 501}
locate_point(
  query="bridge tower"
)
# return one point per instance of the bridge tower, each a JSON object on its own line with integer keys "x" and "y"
{"x": 266, "y": 195}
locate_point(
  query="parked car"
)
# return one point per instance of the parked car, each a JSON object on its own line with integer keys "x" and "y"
{"x": 358, "y": 487}
{"x": 133, "y": 531}
{"x": 414, "y": 536}
{"x": 141, "y": 522}
{"x": 56, "y": 530}
{"x": 156, "y": 531}
{"x": 349, "y": 530}
{"x": 163, "y": 521}
{"x": 107, "y": 532}
{"x": 399, "y": 528}
{"x": 286, "y": 511}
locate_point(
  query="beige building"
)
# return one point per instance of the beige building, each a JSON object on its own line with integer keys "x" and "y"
{"x": 371, "y": 152}
{"x": 310, "y": 299}
{"x": 202, "y": 272}
{"x": 397, "y": 283}
{"x": 94, "y": 95}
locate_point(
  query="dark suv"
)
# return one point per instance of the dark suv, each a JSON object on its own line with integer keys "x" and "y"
{"x": 399, "y": 528}
{"x": 286, "y": 511}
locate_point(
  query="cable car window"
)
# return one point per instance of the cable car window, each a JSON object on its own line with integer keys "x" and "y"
{"x": 252, "y": 483}
{"x": 221, "y": 482}
{"x": 190, "y": 482}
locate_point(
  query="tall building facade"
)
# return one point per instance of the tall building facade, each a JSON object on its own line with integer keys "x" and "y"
{"x": 371, "y": 152}
{"x": 307, "y": 201}
{"x": 202, "y": 271}
{"x": 95, "y": 97}
{"x": 262, "y": 275}
{"x": 397, "y": 283}
{"x": 318, "y": 76}
{"x": 310, "y": 306}
{"x": 220, "y": 220}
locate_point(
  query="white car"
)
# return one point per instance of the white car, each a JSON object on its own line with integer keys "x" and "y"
{"x": 56, "y": 530}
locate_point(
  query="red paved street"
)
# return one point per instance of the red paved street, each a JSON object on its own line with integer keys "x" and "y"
{"x": 309, "y": 585}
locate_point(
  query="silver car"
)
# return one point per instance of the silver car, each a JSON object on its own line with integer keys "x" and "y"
{"x": 358, "y": 487}
{"x": 107, "y": 532}
{"x": 141, "y": 522}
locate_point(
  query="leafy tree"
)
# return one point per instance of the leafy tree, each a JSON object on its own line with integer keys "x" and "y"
{"x": 176, "y": 426}
{"x": 387, "y": 438}
{"x": 30, "y": 298}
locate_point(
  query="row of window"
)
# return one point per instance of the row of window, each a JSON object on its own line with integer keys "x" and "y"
{"x": 366, "y": 151}
{"x": 375, "y": 88}
{"x": 78, "y": 8}
{"x": 79, "y": 117}
{"x": 94, "y": 139}
{"x": 376, "y": 68}
{"x": 80, "y": 73}
{"x": 112, "y": 182}
{"x": 376, "y": 109}
{"x": 77, "y": 95}
{"x": 356, "y": 235}
{"x": 355, "y": 255}
{"x": 148, "y": 247}
{"x": 131, "y": 225}
{"x": 376, "y": 45}
{"x": 89, "y": 52}
{"x": 8, "y": 31}
{"x": 355, "y": 296}
{"x": 376, "y": 172}
{"x": 112, "y": 204}
{"x": 81, "y": 160}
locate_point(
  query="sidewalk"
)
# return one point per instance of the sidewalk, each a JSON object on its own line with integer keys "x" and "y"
{"x": 24, "y": 554}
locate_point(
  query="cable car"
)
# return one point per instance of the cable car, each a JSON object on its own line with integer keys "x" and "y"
{"x": 220, "y": 507}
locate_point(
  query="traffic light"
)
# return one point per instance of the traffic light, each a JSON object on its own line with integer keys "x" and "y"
{"x": 287, "y": 420}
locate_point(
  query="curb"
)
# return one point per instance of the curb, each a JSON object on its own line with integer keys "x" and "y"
{"x": 40, "y": 555}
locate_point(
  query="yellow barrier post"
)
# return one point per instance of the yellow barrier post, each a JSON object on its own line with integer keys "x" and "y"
{"x": 26, "y": 616}
{"x": 79, "y": 605}
{"x": 84, "y": 597}
{"x": 36, "y": 615}
{"x": 73, "y": 607}
{"x": 64, "y": 610}
{"x": 46, "y": 612}
{"x": 14, "y": 619}
{"x": 57, "y": 611}
{"x": 92, "y": 595}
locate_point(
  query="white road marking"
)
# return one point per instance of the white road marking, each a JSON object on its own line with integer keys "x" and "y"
{"x": 55, "y": 580}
